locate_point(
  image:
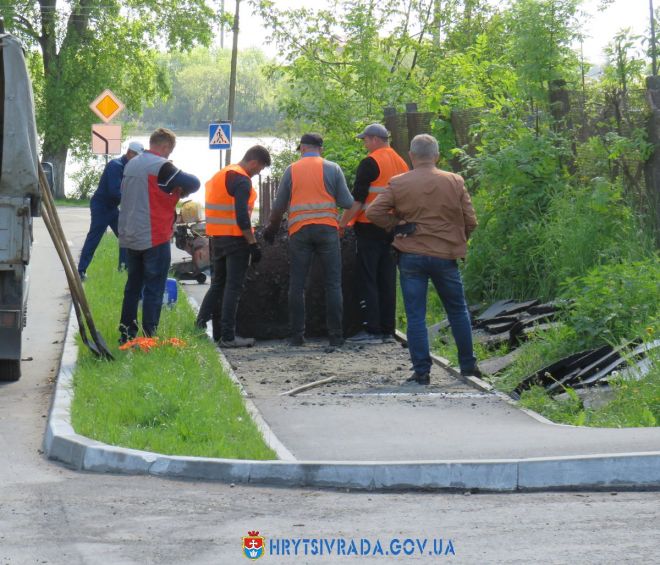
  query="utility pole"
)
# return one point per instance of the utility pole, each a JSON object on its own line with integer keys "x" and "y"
{"x": 232, "y": 78}
{"x": 654, "y": 59}
{"x": 222, "y": 24}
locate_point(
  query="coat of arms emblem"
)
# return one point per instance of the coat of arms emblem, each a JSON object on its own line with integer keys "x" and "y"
{"x": 253, "y": 545}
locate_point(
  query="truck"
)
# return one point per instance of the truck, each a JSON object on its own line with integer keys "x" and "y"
{"x": 19, "y": 199}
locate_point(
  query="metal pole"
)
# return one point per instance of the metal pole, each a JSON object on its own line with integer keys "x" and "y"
{"x": 222, "y": 25}
{"x": 232, "y": 77}
{"x": 654, "y": 59}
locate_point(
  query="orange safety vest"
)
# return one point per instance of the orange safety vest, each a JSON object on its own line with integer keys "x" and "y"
{"x": 389, "y": 164}
{"x": 220, "y": 210}
{"x": 310, "y": 201}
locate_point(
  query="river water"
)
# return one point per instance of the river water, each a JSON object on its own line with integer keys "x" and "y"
{"x": 192, "y": 154}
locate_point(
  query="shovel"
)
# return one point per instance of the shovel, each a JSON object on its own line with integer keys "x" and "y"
{"x": 81, "y": 306}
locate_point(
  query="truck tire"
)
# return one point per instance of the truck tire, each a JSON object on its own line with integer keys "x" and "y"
{"x": 10, "y": 370}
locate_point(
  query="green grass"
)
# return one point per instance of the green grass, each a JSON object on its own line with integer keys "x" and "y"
{"x": 636, "y": 403}
{"x": 176, "y": 401}
{"x": 73, "y": 202}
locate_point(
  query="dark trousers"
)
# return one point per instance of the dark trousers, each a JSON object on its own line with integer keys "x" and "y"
{"x": 376, "y": 284}
{"x": 220, "y": 303}
{"x": 147, "y": 269}
{"x": 103, "y": 216}
{"x": 322, "y": 241}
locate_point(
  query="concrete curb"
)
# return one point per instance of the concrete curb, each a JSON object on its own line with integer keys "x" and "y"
{"x": 604, "y": 471}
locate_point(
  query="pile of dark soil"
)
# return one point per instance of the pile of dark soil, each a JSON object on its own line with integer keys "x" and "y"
{"x": 263, "y": 311}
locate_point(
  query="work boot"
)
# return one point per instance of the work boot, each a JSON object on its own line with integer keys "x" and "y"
{"x": 473, "y": 372}
{"x": 416, "y": 378}
{"x": 237, "y": 342}
{"x": 295, "y": 341}
{"x": 365, "y": 338}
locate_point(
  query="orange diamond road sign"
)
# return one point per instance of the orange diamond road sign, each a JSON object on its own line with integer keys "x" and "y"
{"x": 107, "y": 106}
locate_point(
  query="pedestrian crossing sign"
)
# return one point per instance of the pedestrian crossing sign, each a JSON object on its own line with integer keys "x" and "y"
{"x": 220, "y": 136}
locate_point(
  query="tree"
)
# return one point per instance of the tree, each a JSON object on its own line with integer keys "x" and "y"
{"x": 86, "y": 46}
{"x": 200, "y": 91}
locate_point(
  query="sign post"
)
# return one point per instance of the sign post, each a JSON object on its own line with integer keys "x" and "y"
{"x": 220, "y": 137}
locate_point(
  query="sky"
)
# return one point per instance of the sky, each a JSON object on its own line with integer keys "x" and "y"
{"x": 599, "y": 28}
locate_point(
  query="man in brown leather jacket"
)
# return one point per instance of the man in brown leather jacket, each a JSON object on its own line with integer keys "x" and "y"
{"x": 432, "y": 217}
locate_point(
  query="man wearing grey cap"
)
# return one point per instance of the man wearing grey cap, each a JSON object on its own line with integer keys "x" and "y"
{"x": 376, "y": 266}
{"x": 432, "y": 217}
{"x": 311, "y": 189}
{"x": 104, "y": 207}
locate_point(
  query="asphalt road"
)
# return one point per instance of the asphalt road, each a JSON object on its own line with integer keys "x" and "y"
{"x": 49, "y": 514}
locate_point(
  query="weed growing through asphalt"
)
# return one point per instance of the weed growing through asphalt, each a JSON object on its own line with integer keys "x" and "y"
{"x": 171, "y": 400}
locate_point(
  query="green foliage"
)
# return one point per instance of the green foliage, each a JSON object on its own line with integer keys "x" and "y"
{"x": 199, "y": 91}
{"x": 587, "y": 226}
{"x": 568, "y": 411}
{"x": 176, "y": 401}
{"x": 517, "y": 184}
{"x": 615, "y": 302}
{"x": 86, "y": 47}
{"x": 541, "y": 33}
{"x": 86, "y": 180}
{"x": 633, "y": 403}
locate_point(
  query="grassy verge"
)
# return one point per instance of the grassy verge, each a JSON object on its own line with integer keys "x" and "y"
{"x": 72, "y": 202}
{"x": 176, "y": 401}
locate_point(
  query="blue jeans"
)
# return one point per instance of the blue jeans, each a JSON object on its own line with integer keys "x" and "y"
{"x": 308, "y": 241}
{"x": 415, "y": 272}
{"x": 103, "y": 215}
{"x": 147, "y": 269}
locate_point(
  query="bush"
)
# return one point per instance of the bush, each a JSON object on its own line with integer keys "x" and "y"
{"x": 587, "y": 226}
{"x": 615, "y": 302}
{"x": 86, "y": 180}
{"x": 516, "y": 187}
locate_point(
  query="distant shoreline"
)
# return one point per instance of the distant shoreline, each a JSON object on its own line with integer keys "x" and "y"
{"x": 204, "y": 133}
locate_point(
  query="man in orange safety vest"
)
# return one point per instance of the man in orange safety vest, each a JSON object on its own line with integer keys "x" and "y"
{"x": 375, "y": 261}
{"x": 230, "y": 198}
{"x": 311, "y": 189}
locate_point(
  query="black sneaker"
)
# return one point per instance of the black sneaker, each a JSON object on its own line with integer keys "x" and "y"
{"x": 237, "y": 342}
{"x": 474, "y": 372}
{"x": 335, "y": 341}
{"x": 416, "y": 378}
{"x": 365, "y": 338}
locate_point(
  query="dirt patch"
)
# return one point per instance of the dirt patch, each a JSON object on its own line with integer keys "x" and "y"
{"x": 365, "y": 371}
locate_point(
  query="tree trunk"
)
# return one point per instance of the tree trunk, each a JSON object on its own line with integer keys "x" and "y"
{"x": 232, "y": 78}
{"x": 56, "y": 154}
{"x": 652, "y": 168}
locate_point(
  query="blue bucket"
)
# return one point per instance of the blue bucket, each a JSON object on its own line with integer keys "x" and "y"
{"x": 170, "y": 294}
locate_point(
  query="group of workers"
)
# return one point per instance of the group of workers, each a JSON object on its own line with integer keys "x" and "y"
{"x": 420, "y": 218}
